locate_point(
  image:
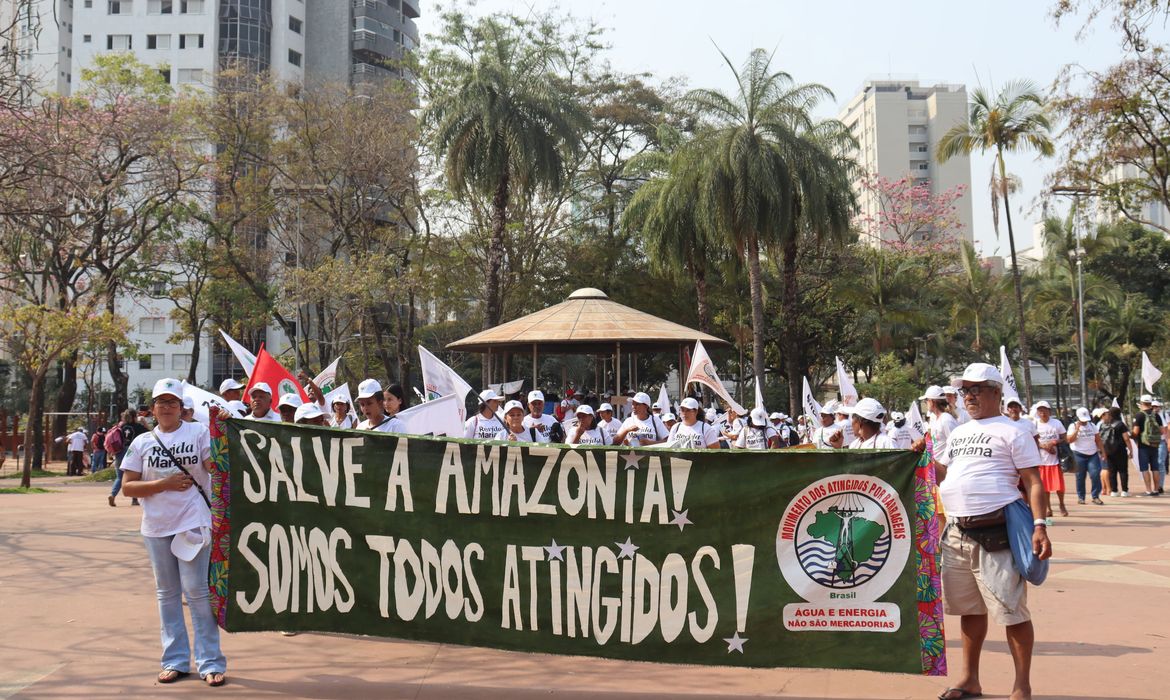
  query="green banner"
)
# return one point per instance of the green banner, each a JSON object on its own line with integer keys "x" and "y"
{"x": 742, "y": 558}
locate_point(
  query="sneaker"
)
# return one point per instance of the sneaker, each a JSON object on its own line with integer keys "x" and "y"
{"x": 289, "y": 634}
{"x": 1155, "y": 493}
{"x": 1098, "y": 502}
{"x": 1113, "y": 494}
{"x": 1080, "y": 501}
{"x": 113, "y": 504}
{"x": 1125, "y": 494}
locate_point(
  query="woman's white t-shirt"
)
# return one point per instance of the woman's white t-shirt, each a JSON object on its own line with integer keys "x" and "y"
{"x": 525, "y": 435}
{"x": 880, "y": 441}
{"x": 693, "y": 437}
{"x": 940, "y": 426}
{"x": 820, "y": 436}
{"x": 646, "y": 431}
{"x": 480, "y": 428}
{"x": 611, "y": 428}
{"x": 1086, "y": 442}
{"x": 346, "y": 422}
{"x": 593, "y": 436}
{"x": 169, "y": 512}
{"x": 752, "y": 438}
{"x": 388, "y": 425}
{"x": 1052, "y": 431}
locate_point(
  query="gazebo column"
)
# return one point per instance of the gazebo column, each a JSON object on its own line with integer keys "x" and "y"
{"x": 487, "y": 369}
{"x": 535, "y": 366}
{"x": 617, "y": 370}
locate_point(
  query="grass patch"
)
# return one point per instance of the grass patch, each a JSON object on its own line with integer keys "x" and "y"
{"x": 36, "y": 474}
{"x": 107, "y": 474}
{"x": 34, "y": 489}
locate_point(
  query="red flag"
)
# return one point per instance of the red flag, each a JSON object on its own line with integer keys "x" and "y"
{"x": 272, "y": 373}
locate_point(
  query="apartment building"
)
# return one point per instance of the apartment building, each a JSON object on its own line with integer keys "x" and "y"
{"x": 897, "y": 125}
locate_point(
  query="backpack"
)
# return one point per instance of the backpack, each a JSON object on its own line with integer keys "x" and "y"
{"x": 1112, "y": 437}
{"x": 1151, "y": 435}
{"x": 114, "y": 442}
{"x": 98, "y": 441}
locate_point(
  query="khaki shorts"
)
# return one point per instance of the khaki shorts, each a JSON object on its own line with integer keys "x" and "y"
{"x": 978, "y": 582}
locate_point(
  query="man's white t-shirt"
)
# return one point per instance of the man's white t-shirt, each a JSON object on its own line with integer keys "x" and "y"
{"x": 983, "y": 459}
{"x": 593, "y": 436}
{"x": 76, "y": 441}
{"x": 388, "y": 425}
{"x": 1086, "y": 442}
{"x": 693, "y": 437}
{"x": 169, "y": 512}
{"x": 270, "y": 416}
{"x": 900, "y": 438}
{"x": 479, "y": 428}
{"x": 1052, "y": 431}
{"x": 880, "y": 441}
{"x": 752, "y": 438}
{"x": 540, "y": 426}
{"x": 820, "y": 436}
{"x": 940, "y": 426}
{"x": 644, "y": 432}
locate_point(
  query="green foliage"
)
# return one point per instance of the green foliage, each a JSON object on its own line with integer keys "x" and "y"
{"x": 892, "y": 383}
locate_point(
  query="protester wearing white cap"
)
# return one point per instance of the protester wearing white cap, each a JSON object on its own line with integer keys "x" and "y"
{"x": 642, "y": 428}
{"x": 1147, "y": 432}
{"x": 867, "y": 417}
{"x": 514, "y": 429}
{"x": 980, "y": 473}
{"x": 585, "y": 432}
{"x": 310, "y": 414}
{"x": 952, "y": 395}
{"x": 372, "y": 403}
{"x": 1050, "y": 435}
{"x": 342, "y": 416}
{"x": 230, "y": 389}
{"x": 692, "y": 433}
{"x": 731, "y": 426}
{"x": 758, "y": 433}
{"x": 1014, "y": 410}
{"x": 260, "y": 403}
{"x": 605, "y": 420}
{"x": 669, "y": 419}
{"x": 288, "y": 405}
{"x": 844, "y": 423}
{"x": 1087, "y": 449}
{"x": 782, "y": 425}
{"x": 898, "y": 432}
{"x": 485, "y": 424}
{"x": 169, "y": 470}
{"x": 939, "y": 422}
{"x": 1162, "y": 448}
{"x": 544, "y": 427}
{"x": 827, "y": 434}
{"x": 188, "y": 414}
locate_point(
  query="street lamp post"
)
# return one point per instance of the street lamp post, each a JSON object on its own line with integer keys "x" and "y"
{"x": 1076, "y": 192}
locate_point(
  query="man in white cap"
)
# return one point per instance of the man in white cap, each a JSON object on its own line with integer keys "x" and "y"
{"x": 371, "y": 402}
{"x": 1147, "y": 432}
{"x": 898, "y": 432}
{"x": 188, "y": 414}
{"x": 827, "y": 433}
{"x": 844, "y": 423}
{"x": 868, "y": 416}
{"x": 485, "y": 424}
{"x": 985, "y": 463}
{"x": 605, "y": 420}
{"x": 1050, "y": 434}
{"x": 1087, "y": 449}
{"x": 939, "y": 422}
{"x": 288, "y": 405}
{"x": 230, "y": 389}
{"x": 75, "y": 450}
{"x": 692, "y": 433}
{"x": 514, "y": 430}
{"x": 642, "y": 428}
{"x": 260, "y": 403}
{"x": 758, "y": 433}
{"x": 783, "y": 427}
{"x": 310, "y": 414}
{"x": 544, "y": 427}
{"x": 584, "y": 432}
{"x": 952, "y": 395}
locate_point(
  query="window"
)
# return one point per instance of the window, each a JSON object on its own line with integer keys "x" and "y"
{"x": 294, "y": 24}
{"x": 191, "y": 7}
{"x": 89, "y": 3}
{"x": 120, "y": 7}
{"x": 119, "y": 42}
{"x": 86, "y": 38}
{"x": 294, "y": 57}
{"x": 152, "y": 361}
{"x": 190, "y": 41}
{"x": 166, "y": 76}
{"x": 161, "y": 7}
{"x": 158, "y": 41}
{"x": 181, "y": 362}
{"x": 190, "y": 75}
{"x": 152, "y": 324}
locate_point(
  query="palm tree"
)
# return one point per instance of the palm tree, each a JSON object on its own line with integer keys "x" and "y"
{"x": 973, "y": 294}
{"x": 768, "y": 172}
{"x": 886, "y": 296}
{"x": 505, "y": 129}
{"x": 1013, "y": 122}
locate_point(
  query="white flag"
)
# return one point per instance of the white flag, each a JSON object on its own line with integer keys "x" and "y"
{"x": 439, "y": 416}
{"x": 441, "y": 380}
{"x": 808, "y": 402}
{"x": 702, "y": 371}
{"x": 327, "y": 378}
{"x": 1115, "y": 404}
{"x": 1150, "y": 373}
{"x": 759, "y": 395}
{"x": 663, "y": 400}
{"x": 914, "y": 422}
{"x": 848, "y": 391}
{"x": 1010, "y": 391}
{"x": 507, "y": 388}
{"x": 204, "y": 401}
{"x": 341, "y": 393}
{"x": 246, "y": 359}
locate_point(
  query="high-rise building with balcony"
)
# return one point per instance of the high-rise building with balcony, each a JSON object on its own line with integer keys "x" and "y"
{"x": 897, "y": 125}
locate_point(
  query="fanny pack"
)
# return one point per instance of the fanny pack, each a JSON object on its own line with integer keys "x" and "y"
{"x": 989, "y": 529}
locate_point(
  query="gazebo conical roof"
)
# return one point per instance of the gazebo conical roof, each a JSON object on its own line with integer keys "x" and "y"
{"x": 587, "y": 322}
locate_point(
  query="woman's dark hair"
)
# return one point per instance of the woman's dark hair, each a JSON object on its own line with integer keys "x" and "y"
{"x": 1114, "y": 414}
{"x": 401, "y": 395}
{"x": 129, "y": 415}
{"x": 941, "y": 404}
{"x": 873, "y": 424}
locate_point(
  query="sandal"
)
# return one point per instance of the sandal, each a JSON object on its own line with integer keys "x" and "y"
{"x": 215, "y": 679}
{"x": 958, "y": 694}
{"x": 170, "y": 675}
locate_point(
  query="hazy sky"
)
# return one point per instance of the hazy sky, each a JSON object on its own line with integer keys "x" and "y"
{"x": 840, "y": 43}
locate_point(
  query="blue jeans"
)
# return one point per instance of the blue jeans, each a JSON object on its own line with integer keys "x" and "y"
{"x": 175, "y": 578}
{"x": 97, "y": 461}
{"x": 1091, "y": 465}
{"x": 1162, "y": 457}
{"x": 117, "y": 473}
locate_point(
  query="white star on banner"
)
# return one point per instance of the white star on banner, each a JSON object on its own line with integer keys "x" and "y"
{"x": 632, "y": 460}
{"x": 555, "y": 551}
{"x": 627, "y": 549}
{"x": 680, "y": 519}
{"x": 735, "y": 642}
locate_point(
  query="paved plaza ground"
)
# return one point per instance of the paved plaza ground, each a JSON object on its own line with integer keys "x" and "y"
{"x": 78, "y": 619}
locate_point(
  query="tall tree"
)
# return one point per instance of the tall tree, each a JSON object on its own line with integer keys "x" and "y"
{"x": 1013, "y": 121}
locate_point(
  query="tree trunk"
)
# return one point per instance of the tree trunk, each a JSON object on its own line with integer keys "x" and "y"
{"x": 755, "y": 278}
{"x": 32, "y": 436}
{"x": 698, "y": 272}
{"x": 1024, "y": 358}
{"x": 192, "y": 370}
{"x": 492, "y": 303}
{"x": 789, "y": 340}
{"x": 120, "y": 379}
{"x": 66, "y": 395}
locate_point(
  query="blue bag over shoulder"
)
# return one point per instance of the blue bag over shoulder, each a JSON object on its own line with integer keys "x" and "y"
{"x": 1020, "y": 529}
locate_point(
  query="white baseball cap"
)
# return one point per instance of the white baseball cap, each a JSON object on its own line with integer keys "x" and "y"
{"x": 759, "y": 417}
{"x": 949, "y": 389}
{"x": 1146, "y": 398}
{"x": 488, "y": 395}
{"x": 1083, "y": 414}
{"x": 868, "y": 409}
{"x": 1156, "y": 403}
{"x": 512, "y": 404}
{"x": 982, "y": 372}
{"x": 668, "y": 416}
{"x": 368, "y": 388}
{"x": 535, "y": 395}
{"x": 933, "y": 393}
{"x": 260, "y": 386}
{"x": 167, "y": 387}
{"x": 290, "y": 399}
{"x": 689, "y": 403}
{"x": 1042, "y": 404}
{"x": 710, "y": 414}
{"x": 308, "y": 411}
{"x": 229, "y": 384}
{"x": 186, "y": 545}
{"x": 642, "y": 398}
{"x": 340, "y": 398}
{"x": 1009, "y": 400}
{"x": 829, "y": 407}
{"x": 188, "y": 404}
{"x": 586, "y": 409}
{"x": 897, "y": 416}
{"x": 605, "y": 407}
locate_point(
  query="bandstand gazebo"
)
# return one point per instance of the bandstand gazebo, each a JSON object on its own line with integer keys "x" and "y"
{"x": 587, "y": 323}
